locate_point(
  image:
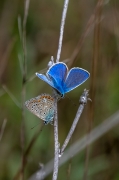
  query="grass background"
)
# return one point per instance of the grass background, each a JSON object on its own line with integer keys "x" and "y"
{"x": 99, "y": 54}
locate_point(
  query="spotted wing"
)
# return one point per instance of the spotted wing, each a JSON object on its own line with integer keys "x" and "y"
{"x": 42, "y": 106}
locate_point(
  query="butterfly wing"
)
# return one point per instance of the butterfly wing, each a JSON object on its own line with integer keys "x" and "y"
{"x": 75, "y": 77}
{"x": 33, "y": 106}
{"x": 57, "y": 73}
{"x": 46, "y": 79}
{"x": 42, "y": 106}
{"x": 49, "y": 117}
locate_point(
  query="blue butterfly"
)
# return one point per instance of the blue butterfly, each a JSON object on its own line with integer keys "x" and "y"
{"x": 63, "y": 80}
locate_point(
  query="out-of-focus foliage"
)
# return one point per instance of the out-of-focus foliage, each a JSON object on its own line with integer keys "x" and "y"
{"x": 42, "y": 33}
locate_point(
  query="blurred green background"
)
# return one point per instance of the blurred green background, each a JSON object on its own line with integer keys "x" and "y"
{"x": 99, "y": 54}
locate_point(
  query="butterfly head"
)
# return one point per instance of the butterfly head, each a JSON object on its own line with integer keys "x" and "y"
{"x": 58, "y": 95}
{"x": 49, "y": 117}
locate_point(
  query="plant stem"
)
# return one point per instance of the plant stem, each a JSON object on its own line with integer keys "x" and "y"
{"x": 62, "y": 29}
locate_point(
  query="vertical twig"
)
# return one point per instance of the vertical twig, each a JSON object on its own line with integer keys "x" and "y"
{"x": 62, "y": 29}
{"x": 56, "y": 157}
{"x": 56, "y": 153}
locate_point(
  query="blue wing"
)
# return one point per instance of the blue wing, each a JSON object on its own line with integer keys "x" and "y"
{"x": 75, "y": 77}
{"x": 44, "y": 78}
{"x": 58, "y": 72}
{"x": 57, "y": 85}
{"x": 51, "y": 81}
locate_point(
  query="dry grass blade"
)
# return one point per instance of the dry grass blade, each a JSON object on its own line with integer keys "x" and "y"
{"x": 23, "y": 86}
{"x": 95, "y": 59}
{"x": 27, "y": 151}
{"x": 90, "y": 24}
{"x": 11, "y": 96}
{"x": 2, "y": 128}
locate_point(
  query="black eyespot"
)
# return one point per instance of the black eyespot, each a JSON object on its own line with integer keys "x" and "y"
{"x": 45, "y": 122}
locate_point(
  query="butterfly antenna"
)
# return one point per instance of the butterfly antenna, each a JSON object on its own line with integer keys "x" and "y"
{"x": 71, "y": 100}
{"x": 51, "y": 62}
{"x": 35, "y": 126}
